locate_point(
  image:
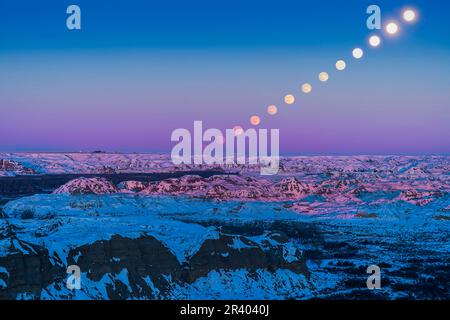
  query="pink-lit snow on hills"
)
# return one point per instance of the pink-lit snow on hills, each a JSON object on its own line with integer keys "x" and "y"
{"x": 309, "y": 182}
{"x": 97, "y": 163}
{"x": 313, "y": 197}
{"x": 222, "y": 187}
{"x": 91, "y": 163}
{"x": 11, "y": 167}
{"x": 87, "y": 186}
{"x": 309, "y": 231}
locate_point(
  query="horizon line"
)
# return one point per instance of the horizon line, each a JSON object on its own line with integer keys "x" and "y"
{"x": 288, "y": 154}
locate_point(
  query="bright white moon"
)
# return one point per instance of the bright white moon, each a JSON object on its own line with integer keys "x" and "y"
{"x": 358, "y": 53}
{"x": 289, "y": 99}
{"x": 306, "y": 88}
{"x": 323, "y": 76}
{"x": 341, "y": 65}
{"x": 409, "y": 15}
{"x": 374, "y": 41}
{"x": 392, "y": 28}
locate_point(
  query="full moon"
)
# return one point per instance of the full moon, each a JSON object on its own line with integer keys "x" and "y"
{"x": 409, "y": 15}
{"x": 323, "y": 76}
{"x": 238, "y": 130}
{"x": 358, "y": 53}
{"x": 289, "y": 99}
{"x": 374, "y": 41}
{"x": 392, "y": 28}
{"x": 341, "y": 65}
{"x": 272, "y": 110}
{"x": 255, "y": 120}
{"x": 306, "y": 88}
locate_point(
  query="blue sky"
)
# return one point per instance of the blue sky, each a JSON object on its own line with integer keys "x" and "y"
{"x": 232, "y": 24}
{"x": 148, "y": 67}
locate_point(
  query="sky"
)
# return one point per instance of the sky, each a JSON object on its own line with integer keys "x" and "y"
{"x": 137, "y": 70}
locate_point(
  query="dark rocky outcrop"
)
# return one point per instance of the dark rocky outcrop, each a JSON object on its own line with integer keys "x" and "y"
{"x": 29, "y": 270}
{"x": 145, "y": 258}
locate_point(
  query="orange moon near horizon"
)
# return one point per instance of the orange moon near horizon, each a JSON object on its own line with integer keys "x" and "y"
{"x": 272, "y": 110}
{"x": 255, "y": 120}
{"x": 238, "y": 130}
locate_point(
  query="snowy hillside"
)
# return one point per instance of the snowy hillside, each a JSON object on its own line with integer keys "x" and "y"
{"x": 310, "y": 232}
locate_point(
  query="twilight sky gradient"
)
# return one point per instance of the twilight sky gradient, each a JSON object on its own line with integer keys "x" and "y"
{"x": 139, "y": 69}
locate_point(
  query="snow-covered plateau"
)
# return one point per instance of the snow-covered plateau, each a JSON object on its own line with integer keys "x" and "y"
{"x": 309, "y": 232}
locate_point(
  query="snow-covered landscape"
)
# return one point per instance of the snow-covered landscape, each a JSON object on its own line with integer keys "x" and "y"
{"x": 140, "y": 228}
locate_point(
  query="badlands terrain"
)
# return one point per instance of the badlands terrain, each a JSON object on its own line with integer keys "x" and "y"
{"x": 140, "y": 228}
